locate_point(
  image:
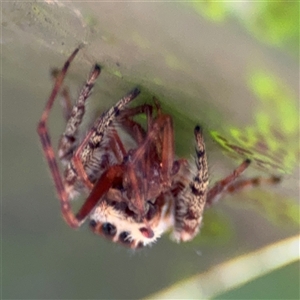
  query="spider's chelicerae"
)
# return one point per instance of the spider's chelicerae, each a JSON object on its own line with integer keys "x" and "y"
{"x": 133, "y": 194}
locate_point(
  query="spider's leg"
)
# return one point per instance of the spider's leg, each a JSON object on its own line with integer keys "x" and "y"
{"x": 251, "y": 182}
{"x": 68, "y": 141}
{"x": 93, "y": 140}
{"x": 116, "y": 145}
{"x": 138, "y": 133}
{"x": 222, "y": 185}
{"x": 140, "y": 160}
{"x": 66, "y": 102}
{"x": 167, "y": 157}
{"x": 157, "y": 106}
{"x": 161, "y": 129}
{"x": 48, "y": 149}
{"x": 190, "y": 203}
{"x": 242, "y": 184}
{"x": 132, "y": 127}
{"x": 77, "y": 161}
{"x": 111, "y": 176}
{"x": 158, "y": 147}
{"x": 101, "y": 124}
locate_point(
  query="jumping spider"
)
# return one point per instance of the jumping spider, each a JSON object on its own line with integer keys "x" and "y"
{"x": 134, "y": 195}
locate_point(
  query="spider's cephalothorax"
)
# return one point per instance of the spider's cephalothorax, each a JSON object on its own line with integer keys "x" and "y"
{"x": 135, "y": 193}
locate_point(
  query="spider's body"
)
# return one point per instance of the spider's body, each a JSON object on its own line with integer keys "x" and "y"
{"x": 137, "y": 192}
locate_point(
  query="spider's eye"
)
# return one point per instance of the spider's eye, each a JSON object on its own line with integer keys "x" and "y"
{"x": 123, "y": 237}
{"x": 93, "y": 223}
{"x": 109, "y": 229}
{"x": 151, "y": 211}
{"x": 175, "y": 167}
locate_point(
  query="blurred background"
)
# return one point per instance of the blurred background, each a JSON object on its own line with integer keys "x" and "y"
{"x": 231, "y": 67}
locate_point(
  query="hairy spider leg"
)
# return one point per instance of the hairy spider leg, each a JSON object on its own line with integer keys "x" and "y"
{"x": 68, "y": 141}
{"x": 190, "y": 202}
{"x": 222, "y": 185}
{"x": 94, "y": 137}
{"x": 242, "y": 184}
{"x": 115, "y": 144}
{"x": 48, "y": 149}
{"x": 84, "y": 153}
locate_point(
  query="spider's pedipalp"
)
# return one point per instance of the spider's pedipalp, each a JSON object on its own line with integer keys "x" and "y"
{"x": 200, "y": 182}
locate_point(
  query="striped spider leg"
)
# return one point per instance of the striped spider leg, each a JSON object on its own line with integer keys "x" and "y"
{"x": 74, "y": 174}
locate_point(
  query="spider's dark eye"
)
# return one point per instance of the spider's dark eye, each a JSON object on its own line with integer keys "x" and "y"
{"x": 109, "y": 229}
{"x": 123, "y": 237}
{"x": 175, "y": 167}
{"x": 93, "y": 223}
{"x": 151, "y": 211}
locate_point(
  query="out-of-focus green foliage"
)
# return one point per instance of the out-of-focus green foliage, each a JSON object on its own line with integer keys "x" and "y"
{"x": 272, "y": 139}
{"x": 272, "y": 22}
{"x": 214, "y": 10}
{"x": 275, "y": 22}
{"x": 282, "y": 212}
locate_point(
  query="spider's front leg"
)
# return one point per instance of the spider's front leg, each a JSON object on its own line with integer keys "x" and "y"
{"x": 113, "y": 175}
{"x": 68, "y": 141}
{"x": 190, "y": 203}
{"x": 48, "y": 149}
{"x": 93, "y": 142}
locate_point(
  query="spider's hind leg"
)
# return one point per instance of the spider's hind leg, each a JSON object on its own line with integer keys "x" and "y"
{"x": 68, "y": 141}
{"x": 251, "y": 182}
{"x": 230, "y": 185}
{"x": 221, "y": 186}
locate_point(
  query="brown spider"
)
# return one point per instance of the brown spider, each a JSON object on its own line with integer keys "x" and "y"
{"x": 134, "y": 194}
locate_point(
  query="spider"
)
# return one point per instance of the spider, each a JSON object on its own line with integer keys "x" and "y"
{"x": 134, "y": 194}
